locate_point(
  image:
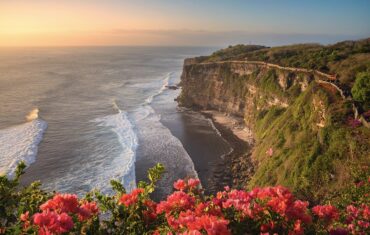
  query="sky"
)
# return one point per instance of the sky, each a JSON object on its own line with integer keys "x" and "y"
{"x": 181, "y": 22}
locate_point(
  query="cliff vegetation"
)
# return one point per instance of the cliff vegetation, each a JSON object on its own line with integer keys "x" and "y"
{"x": 306, "y": 105}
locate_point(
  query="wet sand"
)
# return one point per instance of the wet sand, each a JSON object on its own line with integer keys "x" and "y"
{"x": 237, "y": 166}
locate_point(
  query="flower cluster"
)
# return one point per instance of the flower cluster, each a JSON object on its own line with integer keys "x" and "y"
{"x": 268, "y": 210}
{"x": 131, "y": 198}
{"x": 358, "y": 219}
{"x": 327, "y": 212}
{"x": 190, "y": 184}
{"x": 58, "y": 214}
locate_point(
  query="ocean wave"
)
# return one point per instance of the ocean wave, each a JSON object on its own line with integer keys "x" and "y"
{"x": 157, "y": 144}
{"x": 165, "y": 83}
{"x": 124, "y": 129}
{"x": 20, "y": 143}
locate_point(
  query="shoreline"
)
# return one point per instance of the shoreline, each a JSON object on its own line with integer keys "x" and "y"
{"x": 218, "y": 144}
{"x": 236, "y": 167}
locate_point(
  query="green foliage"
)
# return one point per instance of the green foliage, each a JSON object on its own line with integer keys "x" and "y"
{"x": 128, "y": 219}
{"x": 154, "y": 174}
{"x": 117, "y": 186}
{"x": 15, "y": 200}
{"x": 307, "y": 158}
{"x": 270, "y": 85}
{"x": 236, "y": 85}
{"x": 233, "y": 51}
{"x": 361, "y": 89}
{"x": 344, "y": 58}
{"x": 356, "y": 192}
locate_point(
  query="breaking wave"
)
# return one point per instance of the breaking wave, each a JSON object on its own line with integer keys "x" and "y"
{"x": 165, "y": 83}
{"x": 123, "y": 128}
{"x": 159, "y": 145}
{"x": 20, "y": 143}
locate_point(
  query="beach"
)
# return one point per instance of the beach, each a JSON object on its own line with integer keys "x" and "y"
{"x": 237, "y": 167}
{"x": 217, "y": 144}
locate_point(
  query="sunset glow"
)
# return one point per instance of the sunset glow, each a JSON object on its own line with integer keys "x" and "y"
{"x": 46, "y": 23}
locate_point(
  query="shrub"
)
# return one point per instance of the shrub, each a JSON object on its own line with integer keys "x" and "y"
{"x": 361, "y": 89}
{"x": 269, "y": 210}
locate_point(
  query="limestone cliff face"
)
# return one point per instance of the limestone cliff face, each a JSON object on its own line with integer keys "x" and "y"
{"x": 297, "y": 121}
{"x": 240, "y": 89}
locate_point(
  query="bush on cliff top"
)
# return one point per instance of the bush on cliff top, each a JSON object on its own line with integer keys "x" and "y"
{"x": 361, "y": 90}
{"x": 269, "y": 210}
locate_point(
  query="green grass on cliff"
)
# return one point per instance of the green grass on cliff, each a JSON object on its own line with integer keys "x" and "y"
{"x": 347, "y": 58}
{"x": 312, "y": 160}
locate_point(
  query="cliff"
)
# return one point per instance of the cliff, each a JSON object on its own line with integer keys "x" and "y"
{"x": 299, "y": 120}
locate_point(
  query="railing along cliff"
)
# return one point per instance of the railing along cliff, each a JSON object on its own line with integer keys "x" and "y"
{"x": 330, "y": 79}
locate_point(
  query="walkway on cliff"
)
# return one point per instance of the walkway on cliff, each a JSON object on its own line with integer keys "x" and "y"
{"x": 328, "y": 79}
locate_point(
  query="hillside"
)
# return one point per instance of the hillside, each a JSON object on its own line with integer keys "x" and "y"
{"x": 297, "y": 102}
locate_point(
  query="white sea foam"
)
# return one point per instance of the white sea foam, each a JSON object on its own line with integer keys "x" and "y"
{"x": 20, "y": 143}
{"x": 211, "y": 123}
{"x": 165, "y": 83}
{"x": 123, "y": 128}
{"x": 159, "y": 145}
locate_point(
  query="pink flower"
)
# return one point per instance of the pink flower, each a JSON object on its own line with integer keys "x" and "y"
{"x": 214, "y": 225}
{"x": 180, "y": 185}
{"x": 65, "y": 223}
{"x": 25, "y": 219}
{"x": 172, "y": 222}
{"x": 87, "y": 210}
{"x": 270, "y": 152}
{"x": 298, "y": 229}
{"x": 193, "y": 183}
{"x": 176, "y": 202}
{"x": 240, "y": 200}
{"x": 62, "y": 203}
{"x": 50, "y": 222}
{"x": 45, "y": 219}
{"x": 190, "y": 220}
{"x": 25, "y": 216}
{"x": 326, "y": 212}
{"x": 354, "y": 123}
{"x": 149, "y": 216}
{"x": 131, "y": 198}
{"x": 44, "y": 231}
{"x": 299, "y": 211}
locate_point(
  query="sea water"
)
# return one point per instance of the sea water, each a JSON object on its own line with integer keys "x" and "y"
{"x": 77, "y": 116}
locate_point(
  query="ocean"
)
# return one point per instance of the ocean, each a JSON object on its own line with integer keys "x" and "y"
{"x": 81, "y": 116}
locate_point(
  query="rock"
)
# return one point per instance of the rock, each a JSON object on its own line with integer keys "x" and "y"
{"x": 172, "y": 87}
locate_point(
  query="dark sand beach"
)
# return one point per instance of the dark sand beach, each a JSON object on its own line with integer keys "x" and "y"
{"x": 214, "y": 147}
